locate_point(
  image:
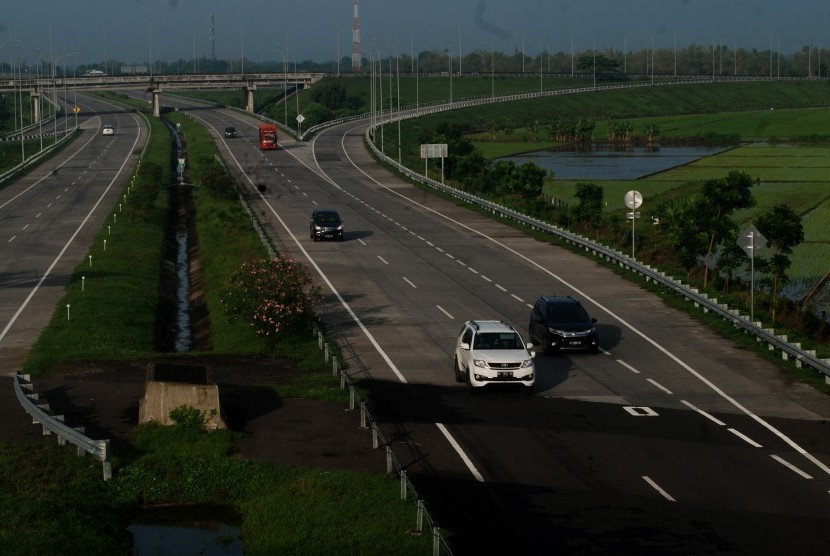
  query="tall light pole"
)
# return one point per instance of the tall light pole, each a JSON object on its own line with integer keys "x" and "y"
{"x": 492, "y": 73}
{"x": 195, "y": 69}
{"x": 338, "y": 49}
{"x": 379, "y": 96}
{"x": 241, "y": 49}
{"x": 625, "y": 57}
{"x": 285, "y": 84}
{"x": 595, "y": 63}
{"x": 398, "y": 77}
{"x": 713, "y": 55}
{"x": 777, "y": 55}
{"x": 106, "y": 25}
{"x": 674, "y": 36}
{"x": 20, "y": 92}
{"x": 458, "y": 25}
{"x": 572, "y": 52}
{"x": 523, "y": 53}
{"x": 652, "y": 59}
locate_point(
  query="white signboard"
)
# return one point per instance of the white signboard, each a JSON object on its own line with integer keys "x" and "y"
{"x": 434, "y": 150}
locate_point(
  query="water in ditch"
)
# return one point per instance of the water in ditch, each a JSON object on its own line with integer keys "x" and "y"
{"x": 184, "y": 336}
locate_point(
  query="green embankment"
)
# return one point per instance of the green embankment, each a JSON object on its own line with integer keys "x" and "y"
{"x": 63, "y": 506}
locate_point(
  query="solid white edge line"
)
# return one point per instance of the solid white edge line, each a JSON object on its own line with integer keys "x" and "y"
{"x": 74, "y": 234}
{"x": 460, "y": 452}
{"x": 744, "y": 437}
{"x": 656, "y": 487}
{"x": 790, "y": 466}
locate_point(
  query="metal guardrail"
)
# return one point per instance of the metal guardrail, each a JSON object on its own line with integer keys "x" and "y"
{"x": 53, "y": 424}
{"x": 788, "y": 350}
{"x": 37, "y": 157}
{"x": 393, "y": 464}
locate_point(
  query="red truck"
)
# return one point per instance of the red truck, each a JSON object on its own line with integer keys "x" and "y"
{"x": 267, "y": 136}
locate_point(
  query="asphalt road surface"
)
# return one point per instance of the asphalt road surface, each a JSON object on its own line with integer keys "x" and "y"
{"x": 670, "y": 441}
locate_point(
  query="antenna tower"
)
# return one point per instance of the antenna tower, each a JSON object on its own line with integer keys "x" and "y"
{"x": 356, "y": 61}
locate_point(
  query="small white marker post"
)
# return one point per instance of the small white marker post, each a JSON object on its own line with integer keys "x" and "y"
{"x": 90, "y": 261}
{"x": 83, "y": 282}
{"x": 67, "y": 311}
{"x": 105, "y": 245}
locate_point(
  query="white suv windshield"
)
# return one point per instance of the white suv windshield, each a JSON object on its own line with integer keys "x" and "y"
{"x": 497, "y": 340}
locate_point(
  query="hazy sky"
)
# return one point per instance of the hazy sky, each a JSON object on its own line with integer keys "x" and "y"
{"x": 130, "y": 30}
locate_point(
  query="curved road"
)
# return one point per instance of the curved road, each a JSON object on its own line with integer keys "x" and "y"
{"x": 671, "y": 440}
{"x": 50, "y": 216}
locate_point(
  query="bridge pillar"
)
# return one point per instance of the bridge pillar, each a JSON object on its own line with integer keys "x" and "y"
{"x": 36, "y": 100}
{"x": 156, "y": 101}
{"x": 250, "y": 87}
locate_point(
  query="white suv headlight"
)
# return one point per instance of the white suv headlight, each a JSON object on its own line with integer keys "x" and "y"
{"x": 480, "y": 363}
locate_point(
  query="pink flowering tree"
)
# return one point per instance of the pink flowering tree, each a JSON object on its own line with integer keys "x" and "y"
{"x": 273, "y": 295}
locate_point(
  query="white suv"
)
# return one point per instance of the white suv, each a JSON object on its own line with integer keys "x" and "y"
{"x": 492, "y": 352}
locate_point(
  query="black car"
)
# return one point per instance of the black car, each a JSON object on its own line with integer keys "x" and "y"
{"x": 561, "y": 323}
{"x": 230, "y": 131}
{"x": 325, "y": 223}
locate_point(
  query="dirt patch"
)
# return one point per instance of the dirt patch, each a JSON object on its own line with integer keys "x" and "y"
{"x": 104, "y": 397}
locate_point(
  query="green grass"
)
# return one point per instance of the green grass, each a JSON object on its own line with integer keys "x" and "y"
{"x": 64, "y": 506}
{"x": 63, "y": 503}
{"x": 112, "y": 301}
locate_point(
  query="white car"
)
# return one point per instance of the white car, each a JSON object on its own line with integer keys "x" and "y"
{"x": 108, "y": 130}
{"x": 493, "y": 352}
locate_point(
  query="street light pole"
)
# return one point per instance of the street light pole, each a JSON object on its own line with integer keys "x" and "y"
{"x": 674, "y": 33}
{"x": 398, "y": 78}
{"x": 285, "y": 84}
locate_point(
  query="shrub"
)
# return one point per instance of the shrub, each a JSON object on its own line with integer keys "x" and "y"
{"x": 274, "y": 295}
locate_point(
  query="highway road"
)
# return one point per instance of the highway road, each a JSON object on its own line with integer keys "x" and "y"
{"x": 669, "y": 441}
{"x": 50, "y": 216}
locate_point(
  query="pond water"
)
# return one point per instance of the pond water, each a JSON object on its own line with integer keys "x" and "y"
{"x": 608, "y": 164}
{"x": 201, "y": 530}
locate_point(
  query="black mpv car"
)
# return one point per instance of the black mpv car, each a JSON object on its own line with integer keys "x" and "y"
{"x": 561, "y": 323}
{"x": 325, "y": 223}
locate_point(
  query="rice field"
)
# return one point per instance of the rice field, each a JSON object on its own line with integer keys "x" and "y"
{"x": 798, "y": 176}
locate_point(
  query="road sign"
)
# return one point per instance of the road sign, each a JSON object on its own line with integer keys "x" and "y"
{"x": 633, "y": 199}
{"x": 434, "y": 150}
{"x": 751, "y": 240}
{"x": 300, "y": 118}
{"x": 76, "y": 109}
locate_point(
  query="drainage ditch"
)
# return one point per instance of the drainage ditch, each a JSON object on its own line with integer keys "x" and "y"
{"x": 182, "y": 318}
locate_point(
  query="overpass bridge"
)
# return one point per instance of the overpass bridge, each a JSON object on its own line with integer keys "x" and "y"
{"x": 155, "y": 84}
